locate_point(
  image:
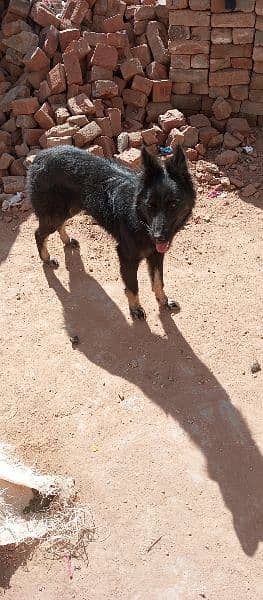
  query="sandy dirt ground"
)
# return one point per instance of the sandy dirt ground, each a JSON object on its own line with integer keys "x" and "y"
{"x": 159, "y": 423}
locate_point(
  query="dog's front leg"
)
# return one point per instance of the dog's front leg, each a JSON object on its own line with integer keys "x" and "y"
{"x": 129, "y": 270}
{"x": 155, "y": 265}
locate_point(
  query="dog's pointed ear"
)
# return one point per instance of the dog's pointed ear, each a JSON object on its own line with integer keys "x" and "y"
{"x": 152, "y": 169}
{"x": 177, "y": 165}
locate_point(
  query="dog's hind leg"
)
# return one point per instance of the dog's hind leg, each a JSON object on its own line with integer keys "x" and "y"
{"x": 45, "y": 229}
{"x": 129, "y": 275}
{"x": 67, "y": 241}
{"x": 155, "y": 266}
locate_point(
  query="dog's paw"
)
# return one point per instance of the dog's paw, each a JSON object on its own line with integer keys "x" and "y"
{"x": 137, "y": 312}
{"x": 172, "y": 305}
{"x": 53, "y": 263}
{"x": 73, "y": 243}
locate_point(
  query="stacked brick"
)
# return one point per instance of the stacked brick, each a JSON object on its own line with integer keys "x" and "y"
{"x": 217, "y": 53}
{"x": 254, "y": 104}
{"x": 189, "y": 45}
{"x": 80, "y": 72}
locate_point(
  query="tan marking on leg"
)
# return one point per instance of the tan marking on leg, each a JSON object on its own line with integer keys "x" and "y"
{"x": 133, "y": 299}
{"x": 44, "y": 251}
{"x": 158, "y": 289}
{"x": 63, "y": 234}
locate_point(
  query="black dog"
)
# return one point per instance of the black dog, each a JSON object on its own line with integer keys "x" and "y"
{"x": 141, "y": 211}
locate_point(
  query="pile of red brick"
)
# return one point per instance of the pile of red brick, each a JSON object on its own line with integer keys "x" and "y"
{"x": 80, "y": 72}
{"x": 94, "y": 73}
{"x": 216, "y": 52}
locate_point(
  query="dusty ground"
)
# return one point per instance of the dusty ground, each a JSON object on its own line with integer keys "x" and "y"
{"x": 160, "y": 424}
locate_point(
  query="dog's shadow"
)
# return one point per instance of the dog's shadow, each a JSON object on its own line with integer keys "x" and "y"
{"x": 196, "y": 400}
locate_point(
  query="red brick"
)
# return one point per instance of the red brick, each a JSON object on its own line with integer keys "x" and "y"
{"x": 44, "y": 116}
{"x": 104, "y": 89}
{"x": 5, "y": 161}
{"x": 35, "y": 78}
{"x": 252, "y": 108}
{"x": 99, "y": 107}
{"x": 201, "y": 34}
{"x": 259, "y": 7}
{"x": 44, "y": 91}
{"x": 189, "y": 47}
{"x": 171, "y": 119}
{"x": 199, "y": 121}
{"x": 258, "y": 53}
{"x": 256, "y": 82}
{"x": 113, "y": 24}
{"x": 189, "y": 76}
{"x": 229, "y": 77}
{"x": 100, "y": 73}
{"x": 62, "y": 114}
{"x": 56, "y": 79}
{"x": 239, "y": 92}
{"x": 255, "y": 96}
{"x": 207, "y": 133}
{"x": 81, "y": 105}
{"x": 52, "y": 142}
{"x": 221, "y": 35}
{"x": 87, "y": 134}
{"x": 142, "y": 84}
{"x": 31, "y": 136}
{"x": 200, "y": 88}
{"x": 67, "y": 36}
{"x": 130, "y": 68}
{"x": 199, "y": 4}
{"x": 144, "y": 13}
{"x": 72, "y": 68}
{"x": 161, "y": 91}
{"x": 156, "y": 71}
{"x": 150, "y": 136}
{"x": 258, "y": 66}
{"x": 105, "y": 125}
{"x": 243, "y": 36}
{"x": 200, "y": 61}
{"x": 96, "y": 150}
{"x": 14, "y": 184}
{"x": 241, "y": 63}
{"x": 58, "y": 99}
{"x": 93, "y": 38}
{"x": 155, "y": 41}
{"x": 36, "y": 61}
{"x": 217, "y": 64}
{"x": 81, "y": 7}
{"x": 19, "y": 7}
{"x": 139, "y": 27}
{"x": 189, "y": 18}
{"x": 238, "y": 124}
{"x": 219, "y": 6}
{"x": 134, "y": 97}
{"x": 105, "y": 56}
{"x": 131, "y": 158}
{"x": 231, "y": 19}
{"x": 181, "y": 88}
{"x": 135, "y": 139}
{"x": 107, "y": 144}
{"x": 25, "y": 106}
{"x": 43, "y": 16}
{"x": 180, "y": 61}
{"x": 51, "y": 41}
{"x": 63, "y": 130}
{"x": 79, "y": 120}
{"x": 115, "y": 119}
{"x": 221, "y": 109}
{"x": 231, "y": 50}
{"x": 259, "y": 23}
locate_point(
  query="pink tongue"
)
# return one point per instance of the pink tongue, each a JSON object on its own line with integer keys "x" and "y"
{"x": 162, "y": 248}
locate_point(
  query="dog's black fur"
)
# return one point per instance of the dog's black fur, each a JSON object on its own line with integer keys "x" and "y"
{"x": 141, "y": 211}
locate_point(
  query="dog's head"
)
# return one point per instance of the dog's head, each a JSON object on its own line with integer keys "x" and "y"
{"x": 165, "y": 198}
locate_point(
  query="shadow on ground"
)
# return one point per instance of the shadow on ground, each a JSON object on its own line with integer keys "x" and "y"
{"x": 196, "y": 400}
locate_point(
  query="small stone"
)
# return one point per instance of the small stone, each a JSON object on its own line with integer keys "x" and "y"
{"x": 255, "y": 367}
{"x": 230, "y": 141}
{"x": 221, "y": 109}
{"x": 248, "y": 190}
{"x": 227, "y": 158}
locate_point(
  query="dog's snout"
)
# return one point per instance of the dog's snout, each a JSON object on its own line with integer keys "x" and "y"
{"x": 159, "y": 237}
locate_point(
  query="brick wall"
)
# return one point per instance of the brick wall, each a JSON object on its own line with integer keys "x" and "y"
{"x": 216, "y": 52}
